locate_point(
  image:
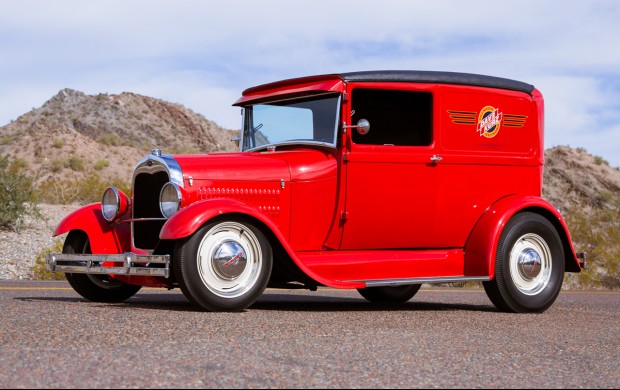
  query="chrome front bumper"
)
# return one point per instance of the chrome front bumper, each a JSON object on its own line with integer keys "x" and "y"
{"x": 132, "y": 264}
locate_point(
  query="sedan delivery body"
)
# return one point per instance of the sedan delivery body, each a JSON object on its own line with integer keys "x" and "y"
{"x": 376, "y": 181}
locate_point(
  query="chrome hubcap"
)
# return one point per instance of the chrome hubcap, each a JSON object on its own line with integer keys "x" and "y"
{"x": 229, "y": 259}
{"x": 530, "y": 264}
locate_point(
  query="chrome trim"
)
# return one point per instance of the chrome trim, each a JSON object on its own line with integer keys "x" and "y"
{"x": 153, "y": 164}
{"x": 91, "y": 264}
{"x": 530, "y": 264}
{"x": 144, "y": 219}
{"x": 242, "y": 129}
{"x": 179, "y": 198}
{"x": 404, "y": 282}
{"x": 583, "y": 259}
{"x": 292, "y": 142}
{"x": 118, "y": 203}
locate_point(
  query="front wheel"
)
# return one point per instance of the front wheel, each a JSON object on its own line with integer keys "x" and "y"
{"x": 224, "y": 266}
{"x": 96, "y": 288}
{"x": 529, "y": 266}
{"x": 398, "y": 294}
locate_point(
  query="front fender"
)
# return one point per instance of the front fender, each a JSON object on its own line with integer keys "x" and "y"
{"x": 187, "y": 221}
{"x": 104, "y": 237}
{"x": 481, "y": 245}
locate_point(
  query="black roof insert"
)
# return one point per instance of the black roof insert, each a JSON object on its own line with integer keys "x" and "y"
{"x": 415, "y": 76}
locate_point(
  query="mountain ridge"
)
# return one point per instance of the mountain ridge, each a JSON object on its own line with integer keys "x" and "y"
{"x": 73, "y": 134}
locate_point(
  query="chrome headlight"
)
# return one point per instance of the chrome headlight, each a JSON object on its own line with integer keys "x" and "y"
{"x": 114, "y": 204}
{"x": 170, "y": 199}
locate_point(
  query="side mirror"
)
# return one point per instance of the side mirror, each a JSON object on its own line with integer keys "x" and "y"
{"x": 237, "y": 141}
{"x": 363, "y": 127}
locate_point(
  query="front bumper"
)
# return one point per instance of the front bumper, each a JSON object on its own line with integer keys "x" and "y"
{"x": 127, "y": 264}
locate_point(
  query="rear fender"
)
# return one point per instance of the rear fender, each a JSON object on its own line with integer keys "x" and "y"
{"x": 187, "y": 221}
{"x": 104, "y": 237}
{"x": 481, "y": 245}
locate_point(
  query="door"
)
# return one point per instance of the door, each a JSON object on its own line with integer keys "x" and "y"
{"x": 392, "y": 180}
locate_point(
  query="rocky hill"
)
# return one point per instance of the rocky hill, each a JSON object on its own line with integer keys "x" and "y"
{"x": 74, "y": 134}
{"x": 575, "y": 179}
{"x": 587, "y": 191}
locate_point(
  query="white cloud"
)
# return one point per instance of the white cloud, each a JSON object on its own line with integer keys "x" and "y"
{"x": 203, "y": 54}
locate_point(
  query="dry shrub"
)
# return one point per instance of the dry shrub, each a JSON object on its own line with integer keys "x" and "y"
{"x": 17, "y": 195}
{"x": 39, "y": 270}
{"x": 597, "y": 232}
{"x": 85, "y": 190}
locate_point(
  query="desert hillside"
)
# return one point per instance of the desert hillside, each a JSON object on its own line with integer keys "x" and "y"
{"x": 587, "y": 191}
{"x": 74, "y": 134}
{"x": 576, "y": 179}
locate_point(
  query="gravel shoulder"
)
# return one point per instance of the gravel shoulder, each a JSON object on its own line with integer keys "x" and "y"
{"x": 19, "y": 250}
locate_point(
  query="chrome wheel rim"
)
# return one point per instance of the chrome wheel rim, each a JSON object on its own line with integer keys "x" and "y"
{"x": 530, "y": 264}
{"x": 229, "y": 260}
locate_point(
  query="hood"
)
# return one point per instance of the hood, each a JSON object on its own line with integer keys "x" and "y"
{"x": 290, "y": 165}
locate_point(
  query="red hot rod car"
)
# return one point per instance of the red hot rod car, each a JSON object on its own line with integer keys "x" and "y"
{"x": 377, "y": 181}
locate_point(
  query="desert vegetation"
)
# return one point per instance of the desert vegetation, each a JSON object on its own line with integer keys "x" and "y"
{"x": 17, "y": 194}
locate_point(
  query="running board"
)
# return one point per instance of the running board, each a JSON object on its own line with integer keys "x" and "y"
{"x": 404, "y": 282}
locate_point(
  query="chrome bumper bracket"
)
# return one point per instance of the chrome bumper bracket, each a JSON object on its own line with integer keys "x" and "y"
{"x": 583, "y": 259}
{"x": 133, "y": 264}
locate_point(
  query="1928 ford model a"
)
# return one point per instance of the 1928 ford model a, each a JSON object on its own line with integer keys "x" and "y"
{"x": 376, "y": 181}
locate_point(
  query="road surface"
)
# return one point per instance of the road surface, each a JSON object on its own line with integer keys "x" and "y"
{"x": 444, "y": 337}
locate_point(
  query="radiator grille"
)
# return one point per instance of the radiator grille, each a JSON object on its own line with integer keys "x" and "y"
{"x": 146, "y": 189}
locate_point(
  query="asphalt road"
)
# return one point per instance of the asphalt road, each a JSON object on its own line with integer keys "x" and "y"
{"x": 50, "y": 337}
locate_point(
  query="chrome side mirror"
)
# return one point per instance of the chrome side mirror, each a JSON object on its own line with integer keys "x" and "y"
{"x": 363, "y": 127}
{"x": 237, "y": 141}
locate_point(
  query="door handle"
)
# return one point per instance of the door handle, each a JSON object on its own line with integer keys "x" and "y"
{"x": 435, "y": 159}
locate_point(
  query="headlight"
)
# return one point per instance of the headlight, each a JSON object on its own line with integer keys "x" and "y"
{"x": 170, "y": 199}
{"x": 114, "y": 204}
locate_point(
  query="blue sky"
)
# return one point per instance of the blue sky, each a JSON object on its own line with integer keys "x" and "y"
{"x": 202, "y": 54}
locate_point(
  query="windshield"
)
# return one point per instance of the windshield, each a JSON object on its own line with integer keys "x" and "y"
{"x": 307, "y": 120}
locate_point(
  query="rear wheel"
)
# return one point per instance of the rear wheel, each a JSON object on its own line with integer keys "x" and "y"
{"x": 398, "y": 294}
{"x": 224, "y": 266}
{"x": 96, "y": 288}
{"x": 529, "y": 265}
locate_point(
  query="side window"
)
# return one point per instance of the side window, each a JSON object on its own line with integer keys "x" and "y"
{"x": 401, "y": 118}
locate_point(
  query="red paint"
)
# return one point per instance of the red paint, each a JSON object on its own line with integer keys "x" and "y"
{"x": 347, "y": 266}
{"x": 105, "y": 238}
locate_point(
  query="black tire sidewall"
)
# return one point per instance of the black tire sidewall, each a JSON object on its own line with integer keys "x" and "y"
{"x": 517, "y": 227}
{"x": 397, "y": 294}
{"x": 194, "y": 286}
{"x": 76, "y": 243}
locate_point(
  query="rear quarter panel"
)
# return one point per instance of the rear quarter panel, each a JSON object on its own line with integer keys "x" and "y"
{"x": 482, "y": 165}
